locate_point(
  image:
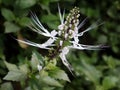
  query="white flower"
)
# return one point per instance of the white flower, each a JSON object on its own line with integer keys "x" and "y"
{"x": 67, "y": 30}
{"x": 64, "y": 52}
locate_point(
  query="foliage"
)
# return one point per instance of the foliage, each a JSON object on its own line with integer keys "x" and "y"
{"x": 94, "y": 70}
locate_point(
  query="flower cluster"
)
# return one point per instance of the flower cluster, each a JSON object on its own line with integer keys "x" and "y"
{"x": 67, "y": 36}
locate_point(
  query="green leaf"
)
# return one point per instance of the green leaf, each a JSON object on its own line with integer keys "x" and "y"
{"x": 51, "y": 81}
{"x": 38, "y": 55}
{"x": 112, "y": 62}
{"x": 10, "y": 66}
{"x": 49, "y": 88}
{"x": 57, "y": 73}
{"x": 8, "y": 2}
{"x": 47, "y": 2}
{"x": 51, "y": 18}
{"x": 15, "y": 76}
{"x": 99, "y": 87}
{"x": 24, "y": 21}
{"x": 102, "y": 39}
{"x": 6, "y": 86}
{"x": 91, "y": 72}
{"x": 8, "y": 14}
{"x": 24, "y": 68}
{"x": 36, "y": 59}
{"x": 23, "y": 4}
{"x": 11, "y": 27}
{"x": 109, "y": 82}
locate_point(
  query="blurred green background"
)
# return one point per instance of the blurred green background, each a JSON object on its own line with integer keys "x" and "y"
{"x": 95, "y": 70}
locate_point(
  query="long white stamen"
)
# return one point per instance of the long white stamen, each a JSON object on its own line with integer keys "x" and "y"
{"x": 94, "y": 25}
{"x": 63, "y": 16}
{"x": 35, "y": 29}
{"x": 60, "y": 15}
{"x": 33, "y": 44}
{"x": 38, "y": 23}
{"x": 82, "y": 23}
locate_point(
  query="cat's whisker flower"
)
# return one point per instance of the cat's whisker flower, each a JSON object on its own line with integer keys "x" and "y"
{"x": 67, "y": 32}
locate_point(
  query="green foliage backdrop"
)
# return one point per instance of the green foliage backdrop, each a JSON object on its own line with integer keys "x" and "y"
{"x": 95, "y": 70}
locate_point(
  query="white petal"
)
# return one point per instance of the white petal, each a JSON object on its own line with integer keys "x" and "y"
{"x": 76, "y": 30}
{"x": 49, "y": 42}
{"x": 66, "y": 35}
{"x": 65, "y": 50}
{"x": 66, "y": 63}
{"x": 61, "y": 42}
{"x": 59, "y": 33}
{"x": 61, "y": 27}
{"x": 54, "y": 33}
{"x": 76, "y": 39}
{"x": 39, "y": 67}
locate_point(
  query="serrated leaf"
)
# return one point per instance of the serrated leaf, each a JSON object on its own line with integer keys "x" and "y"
{"x": 50, "y": 81}
{"x": 24, "y": 68}
{"x": 38, "y": 55}
{"x": 10, "y": 66}
{"x": 57, "y": 73}
{"x": 34, "y": 62}
{"x": 36, "y": 59}
{"x": 11, "y": 27}
{"x": 109, "y": 82}
{"x": 6, "y": 86}
{"x": 15, "y": 76}
{"x": 8, "y": 14}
